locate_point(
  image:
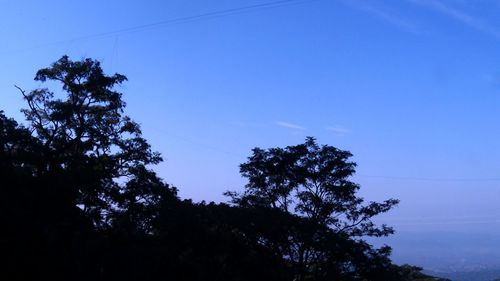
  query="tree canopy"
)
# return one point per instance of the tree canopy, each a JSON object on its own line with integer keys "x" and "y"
{"x": 311, "y": 181}
{"x": 86, "y": 139}
{"x": 79, "y": 200}
{"x": 311, "y": 184}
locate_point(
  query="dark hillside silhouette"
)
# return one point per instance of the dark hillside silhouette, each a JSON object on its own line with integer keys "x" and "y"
{"x": 79, "y": 201}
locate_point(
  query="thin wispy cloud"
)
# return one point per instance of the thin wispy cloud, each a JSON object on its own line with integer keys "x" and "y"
{"x": 385, "y": 15}
{"x": 459, "y": 15}
{"x": 289, "y": 125}
{"x": 245, "y": 124}
{"x": 338, "y": 130}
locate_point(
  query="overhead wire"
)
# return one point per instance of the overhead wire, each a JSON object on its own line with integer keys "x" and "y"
{"x": 230, "y": 153}
{"x": 430, "y": 179}
{"x": 174, "y": 21}
{"x": 225, "y": 13}
{"x": 197, "y": 143}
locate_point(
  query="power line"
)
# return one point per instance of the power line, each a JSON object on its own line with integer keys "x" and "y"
{"x": 175, "y": 21}
{"x": 196, "y": 143}
{"x": 463, "y": 222}
{"x": 431, "y": 179}
{"x": 217, "y": 149}
{"x": 233, "y": 154}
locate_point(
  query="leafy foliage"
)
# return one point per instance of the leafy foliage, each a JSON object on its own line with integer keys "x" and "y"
{"x": 87, "y": 140}
{"x": 310, "y": 183}
{"x": 79, "y": 201}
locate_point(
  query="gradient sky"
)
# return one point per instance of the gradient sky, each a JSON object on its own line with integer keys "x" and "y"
{"x": 410, "y": 87}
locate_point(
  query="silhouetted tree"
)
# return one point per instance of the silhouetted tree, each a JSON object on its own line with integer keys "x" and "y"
{"x": 76, "y": 180}
{"x": 79, "y": 201}
{"x": 87, "y": 142}
{"x": 311, "y": 182}
{"x": 18, "y": 213}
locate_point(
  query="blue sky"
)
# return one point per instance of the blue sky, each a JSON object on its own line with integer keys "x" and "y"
{"x": 410, "y": 87}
